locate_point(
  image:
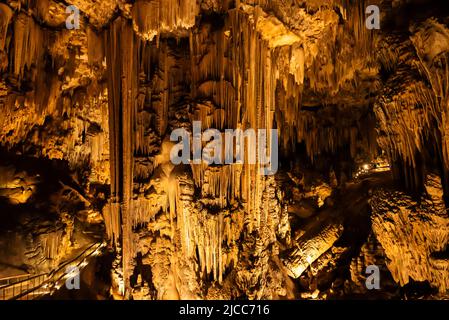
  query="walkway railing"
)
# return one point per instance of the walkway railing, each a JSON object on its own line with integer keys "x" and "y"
{"x": 28, "y": 287}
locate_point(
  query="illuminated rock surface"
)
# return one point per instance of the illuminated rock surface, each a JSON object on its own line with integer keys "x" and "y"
{"x": 362, "y": 118}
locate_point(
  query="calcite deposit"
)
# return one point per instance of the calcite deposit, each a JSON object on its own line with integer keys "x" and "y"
{"x": 359, "y": 118}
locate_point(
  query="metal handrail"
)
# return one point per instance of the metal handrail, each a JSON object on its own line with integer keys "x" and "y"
{"x": 49, "y": 275}
{"x": 28, "y": 277}
{"x": 59, "y": 268}
{"x": 81, "y": 254}
{"x": 15, "y": 277}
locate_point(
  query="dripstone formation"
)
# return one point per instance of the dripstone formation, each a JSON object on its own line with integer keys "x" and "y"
{"x": 361, "y": 116}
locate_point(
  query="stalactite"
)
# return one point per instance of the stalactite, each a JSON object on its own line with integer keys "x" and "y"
{"x": 327, "y": 77}
{"x": 211, "y": 237}
{"x": 319, "y": 138}
{"x": 151, "y": 18}
{"x": 95, "y": 47}
{"x": 5, "y": 18}
{"x": 51, "y": 243}
{"x": 28, "y": 44}
{"x": 121, "y": 54}
{"x": 160, "y": 98}
{"x": 240, "y": 67}
{"x": 222, "y": 183}
{"x": 209, "y": 115}
{"x": 412, "y": 114}
{"x": 111, "y": 215}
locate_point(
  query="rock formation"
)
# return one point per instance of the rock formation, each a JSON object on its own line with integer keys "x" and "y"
{"x": 359, "y": 118}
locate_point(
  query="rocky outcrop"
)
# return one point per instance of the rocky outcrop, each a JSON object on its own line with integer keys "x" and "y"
{"x": 316, "y": 240}
{"x": 414, "y": 234}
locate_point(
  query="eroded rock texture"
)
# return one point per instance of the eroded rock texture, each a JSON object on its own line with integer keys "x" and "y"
{"x": 414, "y": 234}
{"x": 363, "y": 179}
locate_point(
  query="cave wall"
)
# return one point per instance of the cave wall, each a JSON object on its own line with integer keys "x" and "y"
{"x": 102, "y": 100}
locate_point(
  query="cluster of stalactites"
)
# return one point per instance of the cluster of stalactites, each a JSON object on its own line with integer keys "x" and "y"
{"x": 28, "y": 44}
{"x": 253, "y": 68}
{"x": 413, "y": 115}
{"x": 26, "y": 58}
{"x": 6, "y": 15}
{"x": 209, "y": 237}
{"x": 111, "y": 215}
{"x": 435, "y": 96}
{"x": 240, "y": 68}
{"x": 41, "y": 82}
{"x": 225, "y": 184}
{"x": 150, "y": 18}
{"x": 358, "y": 135}
{"x": 244, "y": 69}
{"x": 51, "y": 244}
{"x": 420, "y": 116}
